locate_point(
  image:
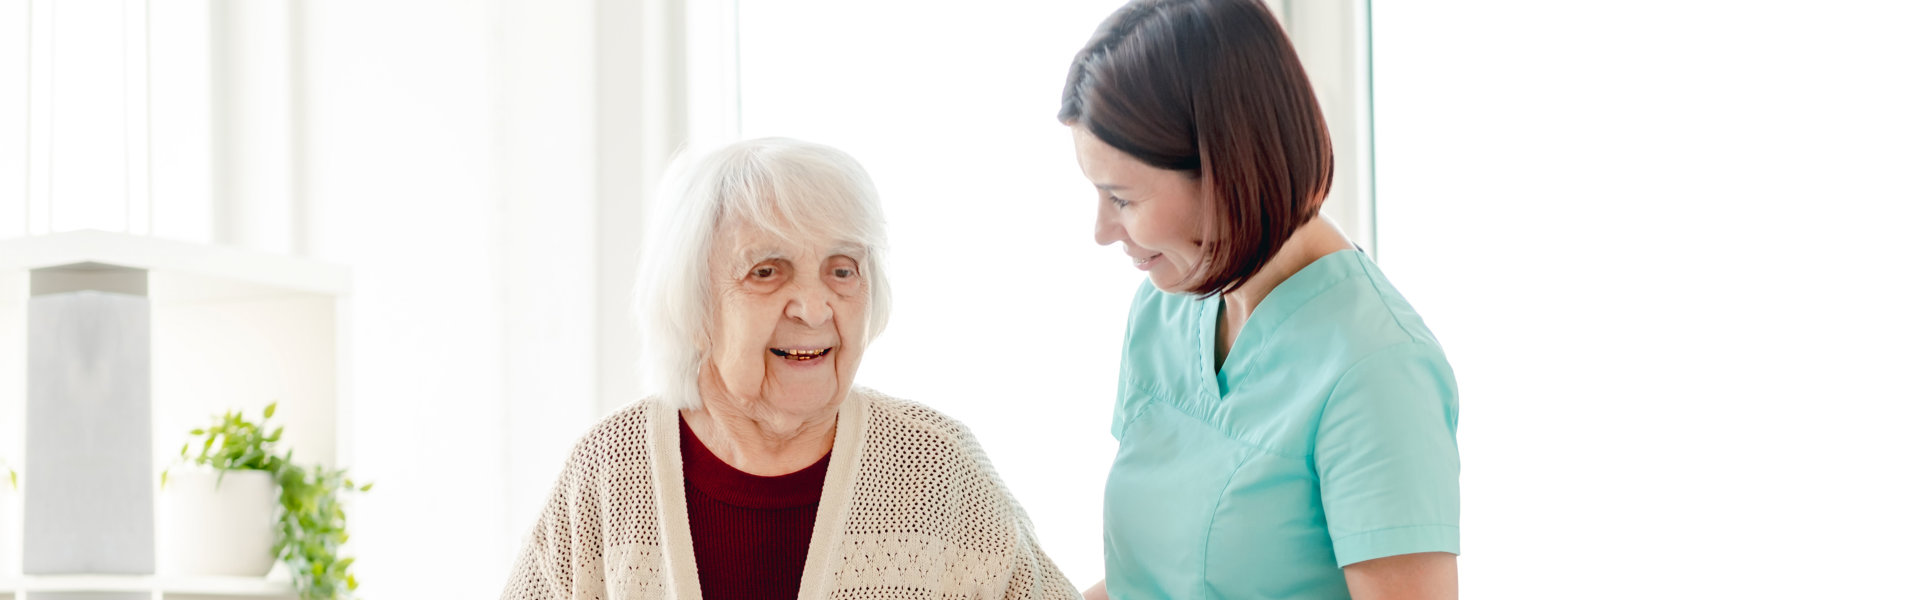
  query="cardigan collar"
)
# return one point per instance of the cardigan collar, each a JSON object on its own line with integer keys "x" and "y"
{"x": 823, "y": 550}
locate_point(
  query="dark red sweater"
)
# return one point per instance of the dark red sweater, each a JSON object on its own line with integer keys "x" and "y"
{"x": 750, "y": 533}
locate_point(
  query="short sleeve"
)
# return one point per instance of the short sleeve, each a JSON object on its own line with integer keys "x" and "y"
{"x": 1387, "y": 457}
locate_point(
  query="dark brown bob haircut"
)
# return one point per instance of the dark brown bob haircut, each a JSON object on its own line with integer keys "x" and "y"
{"x": 1211, "y": 88}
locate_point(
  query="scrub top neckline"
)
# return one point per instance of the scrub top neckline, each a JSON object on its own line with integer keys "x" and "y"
{"x": 1281, "y": 303}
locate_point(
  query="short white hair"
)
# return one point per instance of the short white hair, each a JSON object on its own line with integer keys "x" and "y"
{"x": 792, "y": 189}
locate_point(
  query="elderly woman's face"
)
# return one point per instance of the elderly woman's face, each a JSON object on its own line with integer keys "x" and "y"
{"x": 790, "y": 319}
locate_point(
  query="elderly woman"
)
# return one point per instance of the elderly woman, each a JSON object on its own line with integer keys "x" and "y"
{"x": 760, "y": 471}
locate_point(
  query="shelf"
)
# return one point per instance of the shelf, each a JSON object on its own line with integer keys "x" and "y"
{"x": 225, "y": 329}
{"x": 199, "y": 586}
{"x": 158, "y": 254}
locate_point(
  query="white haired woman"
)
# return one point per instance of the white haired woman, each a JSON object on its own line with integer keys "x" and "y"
{"x": 760, "y": 471}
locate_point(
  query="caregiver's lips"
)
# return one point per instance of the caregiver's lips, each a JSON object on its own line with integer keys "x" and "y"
{"x": 1146, "y": 263}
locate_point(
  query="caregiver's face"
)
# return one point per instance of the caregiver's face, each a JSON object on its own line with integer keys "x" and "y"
{"x": 1155, "y": 214}
{"x": 790, "y": 319}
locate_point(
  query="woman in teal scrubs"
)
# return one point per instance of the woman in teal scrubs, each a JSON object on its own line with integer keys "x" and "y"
{"x": 1286, "y": 421}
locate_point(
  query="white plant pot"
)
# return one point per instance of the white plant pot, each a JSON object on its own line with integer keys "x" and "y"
{"x": 227, "y": 529}
{"x": 11, "y": 522}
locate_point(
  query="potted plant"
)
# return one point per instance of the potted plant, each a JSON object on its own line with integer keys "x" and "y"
{"x": 218, "y": 519}
{"x": 309, "y": 523}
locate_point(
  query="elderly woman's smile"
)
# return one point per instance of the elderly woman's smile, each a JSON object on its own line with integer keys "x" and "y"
{"x": 800, "y": 354}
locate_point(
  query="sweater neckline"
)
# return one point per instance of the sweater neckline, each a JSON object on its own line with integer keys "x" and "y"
{"x": 705, "y": 471}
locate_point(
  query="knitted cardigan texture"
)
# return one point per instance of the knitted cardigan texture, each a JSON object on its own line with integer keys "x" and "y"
{"x": 911, "y": 508}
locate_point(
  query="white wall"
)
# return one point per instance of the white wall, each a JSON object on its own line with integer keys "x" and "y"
{"x": 450, "y": 164}
{"x": 399, "y": 159}
{"x": 544, "y": 85}
{"x": 640, "y": 80}
{"x": 92, "y": 174}
{"x": 1667, "y": 247}
{"x": 1331, "y": 38}
{"x": 106, "y": 107}
{"x": 181, "y": 93}
{"x": 15, "y": 23}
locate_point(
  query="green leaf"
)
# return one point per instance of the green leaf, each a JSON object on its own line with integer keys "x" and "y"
{"x": 312, "y": 526}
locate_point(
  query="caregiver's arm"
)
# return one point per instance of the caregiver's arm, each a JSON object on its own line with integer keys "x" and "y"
{"x": 1423, "y": 576}
{"x": 1097, "y": 592}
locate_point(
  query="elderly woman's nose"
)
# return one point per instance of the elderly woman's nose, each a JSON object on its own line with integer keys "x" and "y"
{"x": 809, "y": 304}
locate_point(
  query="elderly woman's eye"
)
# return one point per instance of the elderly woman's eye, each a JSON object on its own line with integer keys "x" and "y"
{"x": 844, "y": 272}
{"x": 763, "y": 272}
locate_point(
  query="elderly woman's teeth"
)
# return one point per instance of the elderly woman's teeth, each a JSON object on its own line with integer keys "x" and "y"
{"x": 800, "y": 354}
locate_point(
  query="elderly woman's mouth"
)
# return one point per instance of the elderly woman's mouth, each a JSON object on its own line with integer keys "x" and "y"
{"x": 799, "y": 354}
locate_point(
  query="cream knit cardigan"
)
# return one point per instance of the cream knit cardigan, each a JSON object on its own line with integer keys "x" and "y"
{"x": 911, "y": 509}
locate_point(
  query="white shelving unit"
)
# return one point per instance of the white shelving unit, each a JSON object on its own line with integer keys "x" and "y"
{"x": 231, "y": 329}
{"x": 157, "y": 586}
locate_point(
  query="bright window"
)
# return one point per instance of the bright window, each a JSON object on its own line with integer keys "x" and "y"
{"x": 1668, "y": 249}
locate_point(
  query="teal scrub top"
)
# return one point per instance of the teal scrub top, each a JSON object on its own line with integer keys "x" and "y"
{"x": 1325, "y": 439}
